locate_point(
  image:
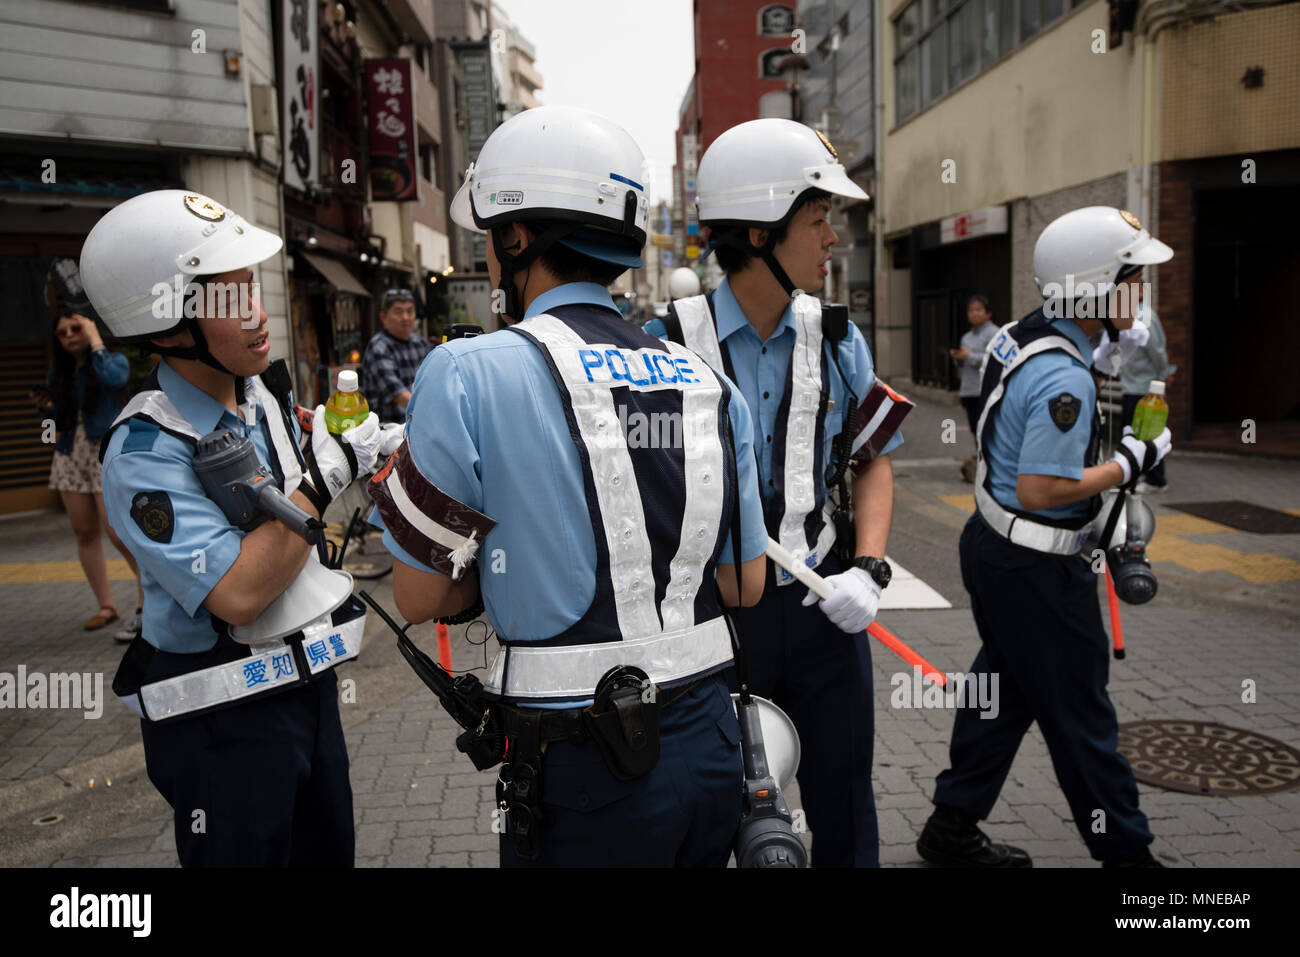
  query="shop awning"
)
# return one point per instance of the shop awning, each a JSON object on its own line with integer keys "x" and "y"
{"x": 335, "y": 273}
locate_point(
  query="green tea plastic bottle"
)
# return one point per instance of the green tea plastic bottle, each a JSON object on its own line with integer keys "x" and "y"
{"x": 347, "y": 407}
{"x": 1151, "y": 413}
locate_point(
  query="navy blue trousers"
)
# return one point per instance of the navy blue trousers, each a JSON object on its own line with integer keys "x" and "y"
{"x": 822, "y": 679}
{"x": 1040, "y": 624}
{"x": 270, "y": 778}
{"x": 684, "y": 813}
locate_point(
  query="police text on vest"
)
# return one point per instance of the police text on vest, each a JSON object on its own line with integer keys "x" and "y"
{"x": 640, "y": 368}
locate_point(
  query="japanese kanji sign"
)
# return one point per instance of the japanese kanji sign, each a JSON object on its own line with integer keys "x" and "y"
{"x": 390, "y": 112}
{"x": 300, "y": 130}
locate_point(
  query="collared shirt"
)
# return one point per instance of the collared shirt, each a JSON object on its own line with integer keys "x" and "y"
{"x": 761, "y": 369}
{"x": 177, "y": 574}
{"x": 1149, "y": 362}
{"x": 387, "y": 370}
{"x": 487, "y": 426}
{"x": 1026, "y": 440}
{"x": 977, "y": 340}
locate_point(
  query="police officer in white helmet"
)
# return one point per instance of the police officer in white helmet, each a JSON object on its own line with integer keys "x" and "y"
{"x": 232, "y": 674}
{"x": 1033, "y": 594}
{"x": 537, "y": 482}
{"x": 824, "y": 429}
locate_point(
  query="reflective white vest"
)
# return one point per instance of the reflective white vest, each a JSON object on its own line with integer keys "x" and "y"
{"x": 246, "y": 671}
{"x": 1014, "y": 345}
{"x": 659, "y": 517}
{"x": 799, "y": 511}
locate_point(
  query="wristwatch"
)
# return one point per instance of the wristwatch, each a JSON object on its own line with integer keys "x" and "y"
{"x": 877, "y": 568}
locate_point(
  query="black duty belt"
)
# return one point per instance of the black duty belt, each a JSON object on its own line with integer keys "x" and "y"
{"x": 568, "y": 724}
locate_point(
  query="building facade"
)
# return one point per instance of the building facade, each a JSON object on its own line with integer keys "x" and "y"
{"x": 342, "y": 126}
{"x": 999, "y": 117}
{"x": 837, "y": 98}
{"x": 102, "y": 102}
{"x": 740, "y": 47}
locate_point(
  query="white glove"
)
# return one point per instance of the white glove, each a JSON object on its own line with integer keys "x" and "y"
{"x": 330, "y": 453}
{"x": 390, "y": 437}
{"x": 1108, "y": 357}
{"x": 1136, "y": 457}
{"x": 853, "y": 606}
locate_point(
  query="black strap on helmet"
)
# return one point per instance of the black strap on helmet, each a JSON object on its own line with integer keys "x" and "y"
{"x": 737, "y": 237}
{"x": 550, "y": 234}
{"x": 199, "y": 351}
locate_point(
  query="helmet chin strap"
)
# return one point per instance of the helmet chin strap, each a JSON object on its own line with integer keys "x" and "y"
{"x": 512, "y": 263}
{"x": 769, "y": 257}
{"x": 199, "y": 351}
{"x": 739, "y": 239}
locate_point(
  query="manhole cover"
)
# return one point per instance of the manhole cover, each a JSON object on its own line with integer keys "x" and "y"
{"x": 1243, "y": 516}
{"x": 1197, "y": 757}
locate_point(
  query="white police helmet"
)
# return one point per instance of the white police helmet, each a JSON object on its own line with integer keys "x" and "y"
{"x": 754, "y": 172}
{"x": 561, "y": 164}
{"x": 683, "y": 283}
{"x": 1092, "y": 245}
{"x": 140, "y": 248}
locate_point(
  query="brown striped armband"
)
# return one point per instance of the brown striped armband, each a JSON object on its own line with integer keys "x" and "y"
{"x": 881, "y": 413}
{"x": 431, "y": 525}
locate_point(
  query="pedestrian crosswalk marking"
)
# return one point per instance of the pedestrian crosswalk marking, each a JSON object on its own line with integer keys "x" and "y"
{"x": 963, "y": 503}
{"x": 1171, "y": 545}
{"x": 906, "y": 592}
{"x": 35, "y": 573}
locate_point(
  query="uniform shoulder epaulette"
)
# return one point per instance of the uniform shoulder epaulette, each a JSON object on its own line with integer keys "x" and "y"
{"x": 140, "y": 436}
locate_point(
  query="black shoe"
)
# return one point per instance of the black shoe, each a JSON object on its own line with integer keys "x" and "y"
{"x": 1144, "y": 859}
{"x": 951, "y": 839}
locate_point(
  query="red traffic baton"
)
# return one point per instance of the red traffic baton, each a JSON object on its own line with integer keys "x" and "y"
{"x": 444, "y": 647}
{"x": 824, "y": 589}
{"x": 1116, "y": 626}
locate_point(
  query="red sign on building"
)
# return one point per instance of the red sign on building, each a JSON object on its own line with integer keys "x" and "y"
{"x": 390, "y": 109}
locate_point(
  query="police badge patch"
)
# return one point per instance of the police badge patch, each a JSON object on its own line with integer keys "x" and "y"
{"x": 152, "y": 511}
{"x": 1065, "y": 410}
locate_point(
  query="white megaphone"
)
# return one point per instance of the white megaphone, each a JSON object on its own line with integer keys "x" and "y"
{"x": 316, "y": 592}
{"x": 780, "y": 740}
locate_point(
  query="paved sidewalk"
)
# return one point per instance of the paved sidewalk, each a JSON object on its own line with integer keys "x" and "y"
{"x": 420, "y": 803}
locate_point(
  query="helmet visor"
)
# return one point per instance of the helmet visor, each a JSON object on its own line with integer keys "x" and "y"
{"x": 461, "y": 212}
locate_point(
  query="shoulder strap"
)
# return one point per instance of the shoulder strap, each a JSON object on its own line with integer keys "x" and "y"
{"x": 673, "y": 325}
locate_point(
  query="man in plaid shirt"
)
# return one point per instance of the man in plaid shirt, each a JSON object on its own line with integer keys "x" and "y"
{"x": 392, "y": 357}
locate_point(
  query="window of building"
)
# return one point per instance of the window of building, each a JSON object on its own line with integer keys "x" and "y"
{"x": 934, "y": 60}
{"x": 155, "y": 6}
{"x": 940, "y": 44}
{"x": 769, "y": 64}
{"x": 776, "y": 21}
{"x": 963, "y": 44}
{"x": 430, "y": 169}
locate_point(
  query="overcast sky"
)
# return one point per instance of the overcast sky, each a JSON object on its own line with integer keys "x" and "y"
{"x": 628, "y": 59}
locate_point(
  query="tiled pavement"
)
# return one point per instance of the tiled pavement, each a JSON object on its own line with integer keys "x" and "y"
{"x": 419, "y": 803}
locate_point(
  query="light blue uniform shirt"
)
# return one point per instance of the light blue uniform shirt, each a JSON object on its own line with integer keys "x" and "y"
{"x": 1026, "y": 441}
{"x": 177, "y": 575}
{"x": 761, "y": 369}
{"x": 487, "y": 426}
